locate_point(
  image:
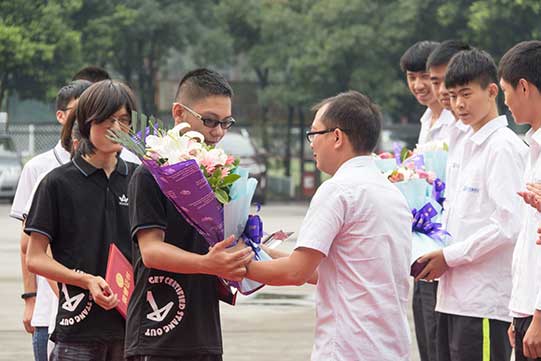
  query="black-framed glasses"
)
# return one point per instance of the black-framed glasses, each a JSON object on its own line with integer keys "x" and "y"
{"x": 311, "y": 135}
{"x": 225, "y": 123}
{"x": 123, "y": 121}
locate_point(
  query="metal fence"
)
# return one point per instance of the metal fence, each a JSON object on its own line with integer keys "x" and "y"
{"x": 32, "y": 139}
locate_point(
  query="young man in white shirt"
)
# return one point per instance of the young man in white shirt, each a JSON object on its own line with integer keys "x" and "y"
{"x": 435, "y": 123}
{"x": 457, "y": 132}
{"x": 484, "y": 221}
{"x": 357, "y": 235}
{"x": 38, "y": 295}
{"x": 520, "y": 79}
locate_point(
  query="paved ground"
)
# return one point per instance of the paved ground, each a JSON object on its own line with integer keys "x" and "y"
{"x": 274, "y": 324}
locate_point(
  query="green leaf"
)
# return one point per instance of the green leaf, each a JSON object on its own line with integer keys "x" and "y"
{"x": 221, "y": 196}
{"x": 230, "y": 179}
{"x": 143, "y": 128}
{"x": 134, "y": 121}
{"x": 404, "y": 154}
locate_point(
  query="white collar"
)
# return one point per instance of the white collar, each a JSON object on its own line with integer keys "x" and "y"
{"x": 533, "y": 137}
{"x": 461, "y": 126}
{"x": 482, "y": 134}
{"x": 445, "y": 118}
{"x": 61, "y": 155}
{"x": 359, "y": 161}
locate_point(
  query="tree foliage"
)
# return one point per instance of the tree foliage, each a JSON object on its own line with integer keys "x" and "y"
{"x": 297, "y": 51}
{"x": 39, "y": 47}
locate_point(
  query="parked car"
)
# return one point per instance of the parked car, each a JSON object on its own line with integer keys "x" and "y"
{"x": 10, "y": 167}
{"x": 238, "y": 143}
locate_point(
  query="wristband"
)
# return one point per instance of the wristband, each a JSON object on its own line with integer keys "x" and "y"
{"x": 26, "y": 295}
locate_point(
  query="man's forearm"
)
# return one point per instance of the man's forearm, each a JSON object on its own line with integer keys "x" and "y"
{"x": 277, "y": 272}
{"x": 276, "y": 253}
{"x": 166, "y": 257}
{"x": 29, "y": 278}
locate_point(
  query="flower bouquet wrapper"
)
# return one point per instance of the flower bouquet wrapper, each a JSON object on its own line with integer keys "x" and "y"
{"x": 427, "y": 234}
{"x": 436, "y": 161}
{"x": 246, "y": 228}
{"x": 186, "y": 187}
{"x": 385, "y": 165}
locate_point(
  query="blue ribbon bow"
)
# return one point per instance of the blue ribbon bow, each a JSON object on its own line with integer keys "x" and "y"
{"x": 437, "y": 191}
{"x": 253, "y": 232}
{"x": 422, "y": 223}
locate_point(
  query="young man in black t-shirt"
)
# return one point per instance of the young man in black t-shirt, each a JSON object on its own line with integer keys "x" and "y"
{"x": 80, "y": 208}
{"x": 173, "y": 313}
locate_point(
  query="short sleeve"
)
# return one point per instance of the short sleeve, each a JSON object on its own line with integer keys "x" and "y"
{"x": 147, "y": 207}
{"x": 44, "y": 212}
{"x": 32, "y": 194}
{"x": 324, "y": 219}
{"x": 24, "y": 190}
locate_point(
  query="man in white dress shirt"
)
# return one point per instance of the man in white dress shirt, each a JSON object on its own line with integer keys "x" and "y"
{"x": 457, "y": 131}
{"x": 357, "y": 234}
{"x": 520, "y": 79}
{"x": 484, "y": 221}
{"x": 435, "y": 123}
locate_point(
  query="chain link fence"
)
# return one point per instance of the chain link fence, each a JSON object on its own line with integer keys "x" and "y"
{"x": 32, "y": 139}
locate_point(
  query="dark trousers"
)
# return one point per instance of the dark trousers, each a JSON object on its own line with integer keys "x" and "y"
{"x": 521, "y": 326}
{"x": 180, "y": 358}
{"x": 88, "y": 351}
{"x": 424, "y": 317}
{"x": 462, "y": 338}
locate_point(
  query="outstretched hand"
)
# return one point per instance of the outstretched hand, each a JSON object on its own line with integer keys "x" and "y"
{"x": 228, "y": 264}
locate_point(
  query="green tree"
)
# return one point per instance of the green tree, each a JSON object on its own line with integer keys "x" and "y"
{"x": 39, "y": 49}
{"x": 137, "y": 37}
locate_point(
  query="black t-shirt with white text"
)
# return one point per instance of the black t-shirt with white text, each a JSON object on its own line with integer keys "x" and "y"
{"x": 170, "y": 314}
{"x": 82, "y": 212}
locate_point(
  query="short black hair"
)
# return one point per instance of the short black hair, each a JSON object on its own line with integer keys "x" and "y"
{"x": 98, "y": 103}
{"x": 356, "y": 115}
{"x": 443, "y": 53}
{"x": 414, "y": 59}
{"x": 522, "y": 61}
{"x": 92, "y": 73}
{"x": 202, "y": 83}
{"x": 471, "y": 66}
{"x": 71, "y": 91}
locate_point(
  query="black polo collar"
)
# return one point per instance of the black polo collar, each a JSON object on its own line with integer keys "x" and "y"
{"x": 88, "y": 169}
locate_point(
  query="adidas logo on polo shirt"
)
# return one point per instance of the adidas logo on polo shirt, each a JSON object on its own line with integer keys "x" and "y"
{"x": 123, "y": 200}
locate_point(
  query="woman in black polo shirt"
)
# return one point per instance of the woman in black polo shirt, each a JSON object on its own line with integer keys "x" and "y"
{"x": 79, "y": 209}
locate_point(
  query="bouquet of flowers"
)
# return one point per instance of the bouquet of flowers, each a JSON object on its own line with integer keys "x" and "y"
{"x": 434, "y": 156}
{"x": 205, "y": 184}
{"x": 423, "y": 192}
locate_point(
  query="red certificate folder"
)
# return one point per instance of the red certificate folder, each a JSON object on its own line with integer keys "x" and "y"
{"x": 119, "y": 276}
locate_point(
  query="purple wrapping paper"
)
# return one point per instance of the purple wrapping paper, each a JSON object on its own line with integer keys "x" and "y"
{"x": 185, "y": 185}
